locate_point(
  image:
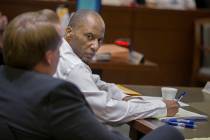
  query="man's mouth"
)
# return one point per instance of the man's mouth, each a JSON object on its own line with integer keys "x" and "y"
{"x": 90, "y": 55}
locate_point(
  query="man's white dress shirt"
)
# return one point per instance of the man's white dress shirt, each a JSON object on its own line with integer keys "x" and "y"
{"x": 104, "y": 98}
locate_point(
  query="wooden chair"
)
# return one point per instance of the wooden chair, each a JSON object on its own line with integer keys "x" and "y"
{"x": 201, "y": 57}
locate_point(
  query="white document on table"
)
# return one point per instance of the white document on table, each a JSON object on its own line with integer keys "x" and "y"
{"x": 185, "y": 114}
{"x": 182, "y": 104}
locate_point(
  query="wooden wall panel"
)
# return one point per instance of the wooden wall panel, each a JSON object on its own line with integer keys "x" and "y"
{"x": 118, "y": 22}
{"x": 166, "y": 37}
{"x": 12, "y": 8}
{"x": 164, "y": 46}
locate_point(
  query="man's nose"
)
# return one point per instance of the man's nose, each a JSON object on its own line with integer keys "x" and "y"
{"x": 95, "y": 45}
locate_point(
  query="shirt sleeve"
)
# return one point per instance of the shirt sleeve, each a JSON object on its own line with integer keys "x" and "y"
{"x": 116, "y": 93}
{"x": 70, "y": 117}
{"x": 109, "y": 109}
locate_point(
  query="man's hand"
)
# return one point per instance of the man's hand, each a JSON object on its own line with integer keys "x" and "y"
{"x": 172, "y": 107}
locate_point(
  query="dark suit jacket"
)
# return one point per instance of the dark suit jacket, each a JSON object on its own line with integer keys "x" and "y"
{"x": 1, "y": 57}
{"x": 39, "y": 107}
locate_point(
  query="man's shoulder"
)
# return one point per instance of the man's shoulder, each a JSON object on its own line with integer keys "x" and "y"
{"x": 54, "y": 86}
{"x": 54, "y": 82}
{"x": 67, "y": 55}
{"x": 68, "y": 60}
{"x": 38, "y": 84}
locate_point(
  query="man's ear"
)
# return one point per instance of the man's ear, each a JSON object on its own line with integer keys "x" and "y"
{"x": 49, "y": 57}
{"x": 68, "y": 33}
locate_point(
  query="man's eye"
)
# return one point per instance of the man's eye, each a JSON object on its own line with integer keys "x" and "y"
{"x": 89, "y": 36}
{"x": 100, "y": 41}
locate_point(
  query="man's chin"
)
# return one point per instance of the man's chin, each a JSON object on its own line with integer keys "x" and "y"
{"x": 86, "y": 59}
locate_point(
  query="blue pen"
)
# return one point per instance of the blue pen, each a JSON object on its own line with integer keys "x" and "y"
{"x": 186, "y": 121}
{"x": 181, "y": 96}
{"x": 181, "y": 124}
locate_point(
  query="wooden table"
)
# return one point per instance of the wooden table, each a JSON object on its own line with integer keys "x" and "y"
{"x": 199, "y": 102}
{"x": 126, "y": 73}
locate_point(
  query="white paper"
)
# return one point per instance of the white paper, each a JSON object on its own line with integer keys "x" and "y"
{"x": 185, "y": 114}
{"x": 182, "y": 104}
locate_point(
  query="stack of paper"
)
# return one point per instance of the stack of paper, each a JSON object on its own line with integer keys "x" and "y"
{"x": 160, "y": 98}
{"x": 185, "y": 114}
{"x": 199, "y": 139}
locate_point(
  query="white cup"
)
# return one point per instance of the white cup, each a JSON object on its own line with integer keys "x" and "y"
{"x": 168, "y": 93}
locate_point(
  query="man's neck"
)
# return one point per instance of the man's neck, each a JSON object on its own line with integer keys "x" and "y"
{"x": 41, "y": 68}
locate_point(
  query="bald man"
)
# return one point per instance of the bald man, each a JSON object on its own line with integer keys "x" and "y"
{"x": 84, "y": 35}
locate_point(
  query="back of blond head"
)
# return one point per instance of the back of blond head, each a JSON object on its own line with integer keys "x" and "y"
{"x": 26, "y": 40}
{"x": 48, "y": 15}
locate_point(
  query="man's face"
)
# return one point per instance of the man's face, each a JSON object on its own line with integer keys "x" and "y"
{"x": 54, "y": 59}
{"x": 87, "y": 38}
